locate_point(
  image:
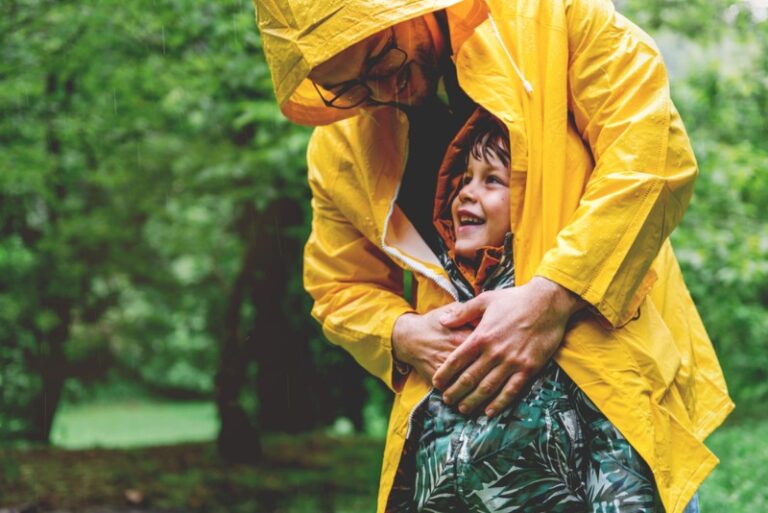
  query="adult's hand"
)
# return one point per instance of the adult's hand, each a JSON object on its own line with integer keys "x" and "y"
{"x": 423, "y": 342}
{"x": 519, "y": 330}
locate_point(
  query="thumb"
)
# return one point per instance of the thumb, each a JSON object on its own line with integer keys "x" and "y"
{"x": 465, "y": 313}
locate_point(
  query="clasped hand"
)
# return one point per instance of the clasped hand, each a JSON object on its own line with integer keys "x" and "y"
{"x": 517, "y": 331}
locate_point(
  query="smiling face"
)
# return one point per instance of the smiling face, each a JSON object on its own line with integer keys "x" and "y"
{"x": 422, "y": 42}
{"x": 480, "y": 211}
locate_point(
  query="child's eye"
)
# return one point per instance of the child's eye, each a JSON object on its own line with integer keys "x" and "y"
{"x": 465, "y": 180}
{"x": 494, "y": 179}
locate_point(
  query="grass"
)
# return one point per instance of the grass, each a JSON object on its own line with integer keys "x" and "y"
{"x": 133, "y": 424}
{"x": 305, "y": 473}
{"x": 314, "y": 472}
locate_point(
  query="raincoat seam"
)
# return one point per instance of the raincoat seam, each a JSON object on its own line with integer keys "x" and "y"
{"x": 704, "y": 468}
{"x": 713, "y": 419}
{"x": 610, "y": 21}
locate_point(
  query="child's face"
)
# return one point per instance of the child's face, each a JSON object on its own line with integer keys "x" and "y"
{"x": 481, "y": 209}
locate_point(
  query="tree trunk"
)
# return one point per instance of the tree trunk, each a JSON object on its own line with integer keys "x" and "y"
{"x": 52, "y": 368}
{"x": 238, "y": 439}
{"x": 287, "y": 380}
{"x": 49, "y": 360}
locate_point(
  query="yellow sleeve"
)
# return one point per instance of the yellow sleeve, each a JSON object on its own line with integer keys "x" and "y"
{"x": 644, "y": 165}
{"x": 357, "y": 289}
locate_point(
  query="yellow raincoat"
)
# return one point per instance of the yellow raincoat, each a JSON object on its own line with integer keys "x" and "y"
{"x": 608, "y": 173}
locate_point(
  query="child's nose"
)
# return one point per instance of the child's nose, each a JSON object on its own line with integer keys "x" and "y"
{"x": 467, "y": 192}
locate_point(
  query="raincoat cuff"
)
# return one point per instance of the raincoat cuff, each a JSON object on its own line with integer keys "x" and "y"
{"x": 400, "y": 370}
{"x": 370, "y": 347}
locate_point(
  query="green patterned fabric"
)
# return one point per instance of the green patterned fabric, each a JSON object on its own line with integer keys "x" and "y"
{"x": 553, "y": 452}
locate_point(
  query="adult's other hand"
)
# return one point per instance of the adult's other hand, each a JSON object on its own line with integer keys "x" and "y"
{"x": 423, "y": 342}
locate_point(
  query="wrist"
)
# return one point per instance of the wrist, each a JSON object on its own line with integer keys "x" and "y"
{"x": 566, "y": 302}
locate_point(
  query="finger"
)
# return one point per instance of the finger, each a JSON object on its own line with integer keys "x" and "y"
{"x": 469, "y": 346}
{"x": 467, "y": 382}
{"x": 485, "y": 390}
{"x": 455, "y": 339}
{"x": 459, "y": 359}
{"x": 511, "y": 390}
{"x": 463, "y": 314}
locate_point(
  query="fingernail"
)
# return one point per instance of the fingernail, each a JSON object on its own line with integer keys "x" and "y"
{"x": 447, "y": 399}
{"x": 463, "y": 408}
{"x": 490, "y": 412}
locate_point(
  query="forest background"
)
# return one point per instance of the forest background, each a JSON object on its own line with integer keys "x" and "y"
{"x": 153, "y": 206}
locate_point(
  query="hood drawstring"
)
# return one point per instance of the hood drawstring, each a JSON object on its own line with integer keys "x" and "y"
{"x": 526, "y": 85}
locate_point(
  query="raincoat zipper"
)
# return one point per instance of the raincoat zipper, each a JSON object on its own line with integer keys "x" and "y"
{"x": 413, "y": 411}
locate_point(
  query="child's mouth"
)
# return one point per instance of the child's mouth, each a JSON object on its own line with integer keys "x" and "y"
{"x": 469, "y": 220}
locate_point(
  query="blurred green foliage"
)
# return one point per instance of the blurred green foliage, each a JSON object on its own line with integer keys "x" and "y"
{"x": 723, "y": 240}
{"x": 140, "y": 142}
{"x": 737, "y": 485}
{"x": 134, "y": 137}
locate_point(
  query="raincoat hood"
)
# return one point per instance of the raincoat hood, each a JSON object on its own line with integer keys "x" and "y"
{"x": 298, "y": 35}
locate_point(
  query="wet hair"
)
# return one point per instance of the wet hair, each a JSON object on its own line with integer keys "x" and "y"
{"x": 488, "y": 138}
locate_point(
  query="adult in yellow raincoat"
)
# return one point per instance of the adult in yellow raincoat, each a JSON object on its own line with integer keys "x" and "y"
{"x": 604, "y": 172}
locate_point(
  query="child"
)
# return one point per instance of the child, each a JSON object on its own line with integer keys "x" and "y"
{"x": 552, "y": 451}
